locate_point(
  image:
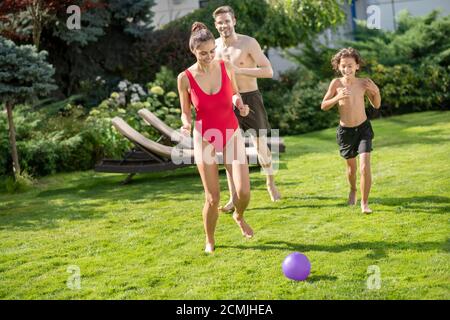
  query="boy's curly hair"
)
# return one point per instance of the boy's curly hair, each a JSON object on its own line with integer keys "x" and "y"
{"x": 346, "y": 53}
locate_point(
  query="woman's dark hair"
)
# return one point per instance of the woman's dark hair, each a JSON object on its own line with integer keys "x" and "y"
{"x": 199, "y": 34}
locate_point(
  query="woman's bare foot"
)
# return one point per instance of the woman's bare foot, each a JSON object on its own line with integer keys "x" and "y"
{"x": 228, "y": 208}
{"x": 273, "y": 192}
{"x": 365, "y": 208}
{"x": 245, "y": 228}
{"x": 352, "y": 198}
{"x": 209, "y": 248}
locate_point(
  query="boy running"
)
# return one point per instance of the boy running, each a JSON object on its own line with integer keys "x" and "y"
{"x": 354, "y": 133}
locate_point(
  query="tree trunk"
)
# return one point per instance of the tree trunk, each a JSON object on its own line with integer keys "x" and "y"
{"x": 12, "y": 139}
{"x": 37, "y": 15}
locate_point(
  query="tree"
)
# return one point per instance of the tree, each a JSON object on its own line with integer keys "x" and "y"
{"x": 275, "y": 23}
{"x": 109, "y": 28}
{"x": 36, "y": 12}
{"x": 24, "y": 74}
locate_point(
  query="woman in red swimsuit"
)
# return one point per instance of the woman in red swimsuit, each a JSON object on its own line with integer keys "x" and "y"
{"x": 210, "y": 86}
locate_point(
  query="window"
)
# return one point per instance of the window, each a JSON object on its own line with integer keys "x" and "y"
{"x": 203, "y": 3}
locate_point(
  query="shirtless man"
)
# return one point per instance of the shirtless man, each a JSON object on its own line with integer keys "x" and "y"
{"x": 249, "y": 63}
{"x": 354, "y": 133}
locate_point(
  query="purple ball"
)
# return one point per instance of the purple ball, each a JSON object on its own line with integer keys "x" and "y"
{"x": 296, "y": 266}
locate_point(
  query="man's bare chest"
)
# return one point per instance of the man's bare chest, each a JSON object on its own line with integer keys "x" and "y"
{"x": 238, "y": 56}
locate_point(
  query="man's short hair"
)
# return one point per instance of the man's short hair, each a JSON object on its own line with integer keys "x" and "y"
{"x": 223, "y": 9}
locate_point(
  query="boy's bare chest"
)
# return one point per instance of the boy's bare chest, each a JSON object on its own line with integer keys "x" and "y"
{"x": 357, "y": 92}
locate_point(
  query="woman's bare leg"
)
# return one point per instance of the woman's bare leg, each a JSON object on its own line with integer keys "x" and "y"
{"x": 208, "y": 169}
{"x": 229, "y": 206}
{"x": 235, "y": 161}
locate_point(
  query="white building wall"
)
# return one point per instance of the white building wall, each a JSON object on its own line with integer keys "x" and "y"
{"x": 168, "y": 10}
{"x": 390, "y": 9}
{"x": 387, "y": 10}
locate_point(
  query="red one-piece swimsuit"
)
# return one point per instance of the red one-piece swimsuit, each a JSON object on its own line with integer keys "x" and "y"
{"x": 215, "y": 120}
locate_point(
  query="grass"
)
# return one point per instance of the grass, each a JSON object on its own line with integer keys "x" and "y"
{"x": 145, "y": 240}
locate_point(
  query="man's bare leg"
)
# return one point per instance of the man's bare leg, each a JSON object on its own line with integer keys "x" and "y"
{"x": 366, "y": 181}
{"x": 351, "y": 177}
{"x": 265, "y": 159}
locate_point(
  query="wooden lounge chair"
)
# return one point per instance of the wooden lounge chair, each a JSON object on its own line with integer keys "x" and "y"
{"x": 147, "y": 156}
{"x": 168, "y": 132}
{"x": 151, "y": 156}
{"x": 176, "y": 137}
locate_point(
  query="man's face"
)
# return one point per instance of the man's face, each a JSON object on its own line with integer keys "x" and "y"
{"x": 225, "y": 23}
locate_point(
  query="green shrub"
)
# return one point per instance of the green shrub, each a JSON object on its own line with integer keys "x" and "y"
{"x": 23, "y": 182}
{"x": 302, "y": 111}
{"x": 47, "y": 145}
{"x": 408, "y": 89}
{"x": 416, "y": 40}
{"x": 167, "y": 47}
{"x": 106, "y": 141}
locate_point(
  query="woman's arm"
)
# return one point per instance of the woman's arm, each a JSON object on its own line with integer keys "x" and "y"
{"x": 237, "y": 99}
{"x": 185, "y": 103}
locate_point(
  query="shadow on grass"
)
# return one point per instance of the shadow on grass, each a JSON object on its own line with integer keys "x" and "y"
{"x": 378, "y": 247}
{"x": 158, "y": 186}
{"x": 421, "y": 203}
{"x": 393, "y": 128}
{"x": 36, "y": 216}
{"x": 401, "y": 204}
{"x": 89, "y": 197}
{"x": 313, "y": 279}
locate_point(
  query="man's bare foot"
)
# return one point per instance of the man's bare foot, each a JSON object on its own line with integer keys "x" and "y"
{"x": 209, "y": 248}
{"x": 352, "y": 198}
{"x": 273, "y": 192}
{"x": 365, "y": 208}
{"x": 245, "y": 228}
{"x": 228, "y": 208}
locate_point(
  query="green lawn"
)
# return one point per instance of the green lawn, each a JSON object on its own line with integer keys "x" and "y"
{"x": 145, "y": 240}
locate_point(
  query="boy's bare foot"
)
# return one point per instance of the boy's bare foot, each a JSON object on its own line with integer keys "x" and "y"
{"x": 228, "y": 208}
{"x": 365, "y": 208}
{"x": 245, "y": 228}
{"x": 273, "y": 192}
{"x": 352, "y": 198}
{"x": 209, "y": 248}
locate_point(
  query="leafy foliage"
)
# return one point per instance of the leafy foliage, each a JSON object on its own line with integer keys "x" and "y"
{"x": 275, "y": 23}
{"x": 72, "y": 137}
{"x": 24, "y": 72}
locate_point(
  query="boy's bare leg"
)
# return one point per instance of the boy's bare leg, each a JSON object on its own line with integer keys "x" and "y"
{"x": 265, "y": 159}
{"x": 351, "y": 177}
{"x": 366, "y": 181}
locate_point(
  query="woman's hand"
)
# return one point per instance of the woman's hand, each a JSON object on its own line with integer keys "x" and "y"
{"x": 244, "y": 110}
{"x": 186, "y": 130}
